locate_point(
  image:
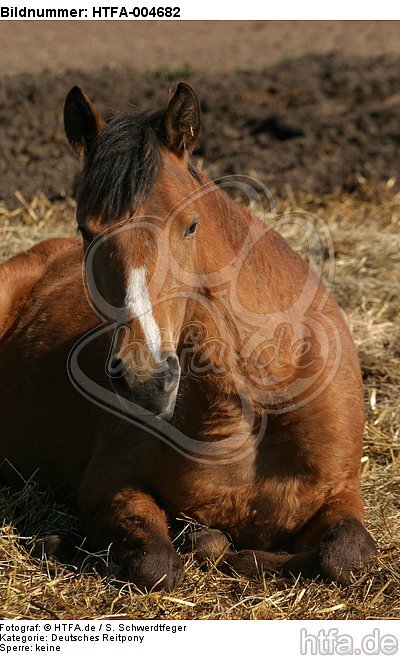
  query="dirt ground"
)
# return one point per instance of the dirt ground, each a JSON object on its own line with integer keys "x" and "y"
{"x": 208, "y": 46}
{"x": 316, "y": 123}
{"x": 311, "y": 104}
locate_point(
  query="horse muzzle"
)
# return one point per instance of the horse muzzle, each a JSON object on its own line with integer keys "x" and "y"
{"x": 154, "y": 391}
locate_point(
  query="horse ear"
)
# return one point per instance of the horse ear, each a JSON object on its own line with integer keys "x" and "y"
{"x": 182, "y": 119}
{"x": 82, "y": 122}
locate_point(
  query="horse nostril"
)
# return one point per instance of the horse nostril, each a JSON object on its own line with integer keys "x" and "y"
{"x": 115, "y": 366}
{"x": 173, "y": 365}
{"x": 171, "y": 372}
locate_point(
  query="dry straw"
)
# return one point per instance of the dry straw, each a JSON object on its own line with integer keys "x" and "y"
{"x": 366, "y": 234}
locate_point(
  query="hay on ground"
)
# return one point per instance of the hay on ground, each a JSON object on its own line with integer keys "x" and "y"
{"x": 366, "y": 235}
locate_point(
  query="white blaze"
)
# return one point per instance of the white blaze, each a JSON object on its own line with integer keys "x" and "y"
{"x": 138, "y": 305}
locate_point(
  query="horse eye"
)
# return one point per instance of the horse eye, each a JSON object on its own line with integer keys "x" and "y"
{"x": 192, "y": 228}
{"x": 86, "y": 235}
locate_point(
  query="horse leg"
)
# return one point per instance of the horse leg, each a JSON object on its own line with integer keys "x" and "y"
{"x": 213, "y": 545}
{"x": 135, "y": 529}
{"x": 332, "y": 545}
{"x": 339, "y": 537}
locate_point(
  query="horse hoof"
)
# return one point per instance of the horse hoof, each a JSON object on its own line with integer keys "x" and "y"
{"x": 46, "y": 546}
{"x": 153, "y": 570}
{"x": 209, "y": 544}
{"x": 62, "y": 547}
{"x": 345, "y": 549}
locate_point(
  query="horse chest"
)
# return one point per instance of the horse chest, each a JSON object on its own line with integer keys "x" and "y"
{"x": 259, "y": 515}
{"x": 254, "y": 511}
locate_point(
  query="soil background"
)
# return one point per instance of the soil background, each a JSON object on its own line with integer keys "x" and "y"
{"x": 313, "y": 105}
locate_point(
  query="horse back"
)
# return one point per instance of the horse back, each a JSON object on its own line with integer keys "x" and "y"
{"x": 20, "y": 275}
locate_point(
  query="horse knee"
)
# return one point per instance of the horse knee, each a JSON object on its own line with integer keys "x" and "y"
{"x": 132, "y": 525}
{"x": 345, "y": 548}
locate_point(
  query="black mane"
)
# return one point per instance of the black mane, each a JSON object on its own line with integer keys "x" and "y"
{"x": 121, "y": 167}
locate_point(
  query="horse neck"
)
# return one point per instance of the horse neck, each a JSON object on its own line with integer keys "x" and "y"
{"x": 226, "y": 226}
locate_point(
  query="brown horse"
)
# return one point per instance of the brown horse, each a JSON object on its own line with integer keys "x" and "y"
{"x": 199, "y": 368}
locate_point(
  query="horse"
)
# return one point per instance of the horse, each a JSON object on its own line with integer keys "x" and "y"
{"x": 178, "y": 359}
